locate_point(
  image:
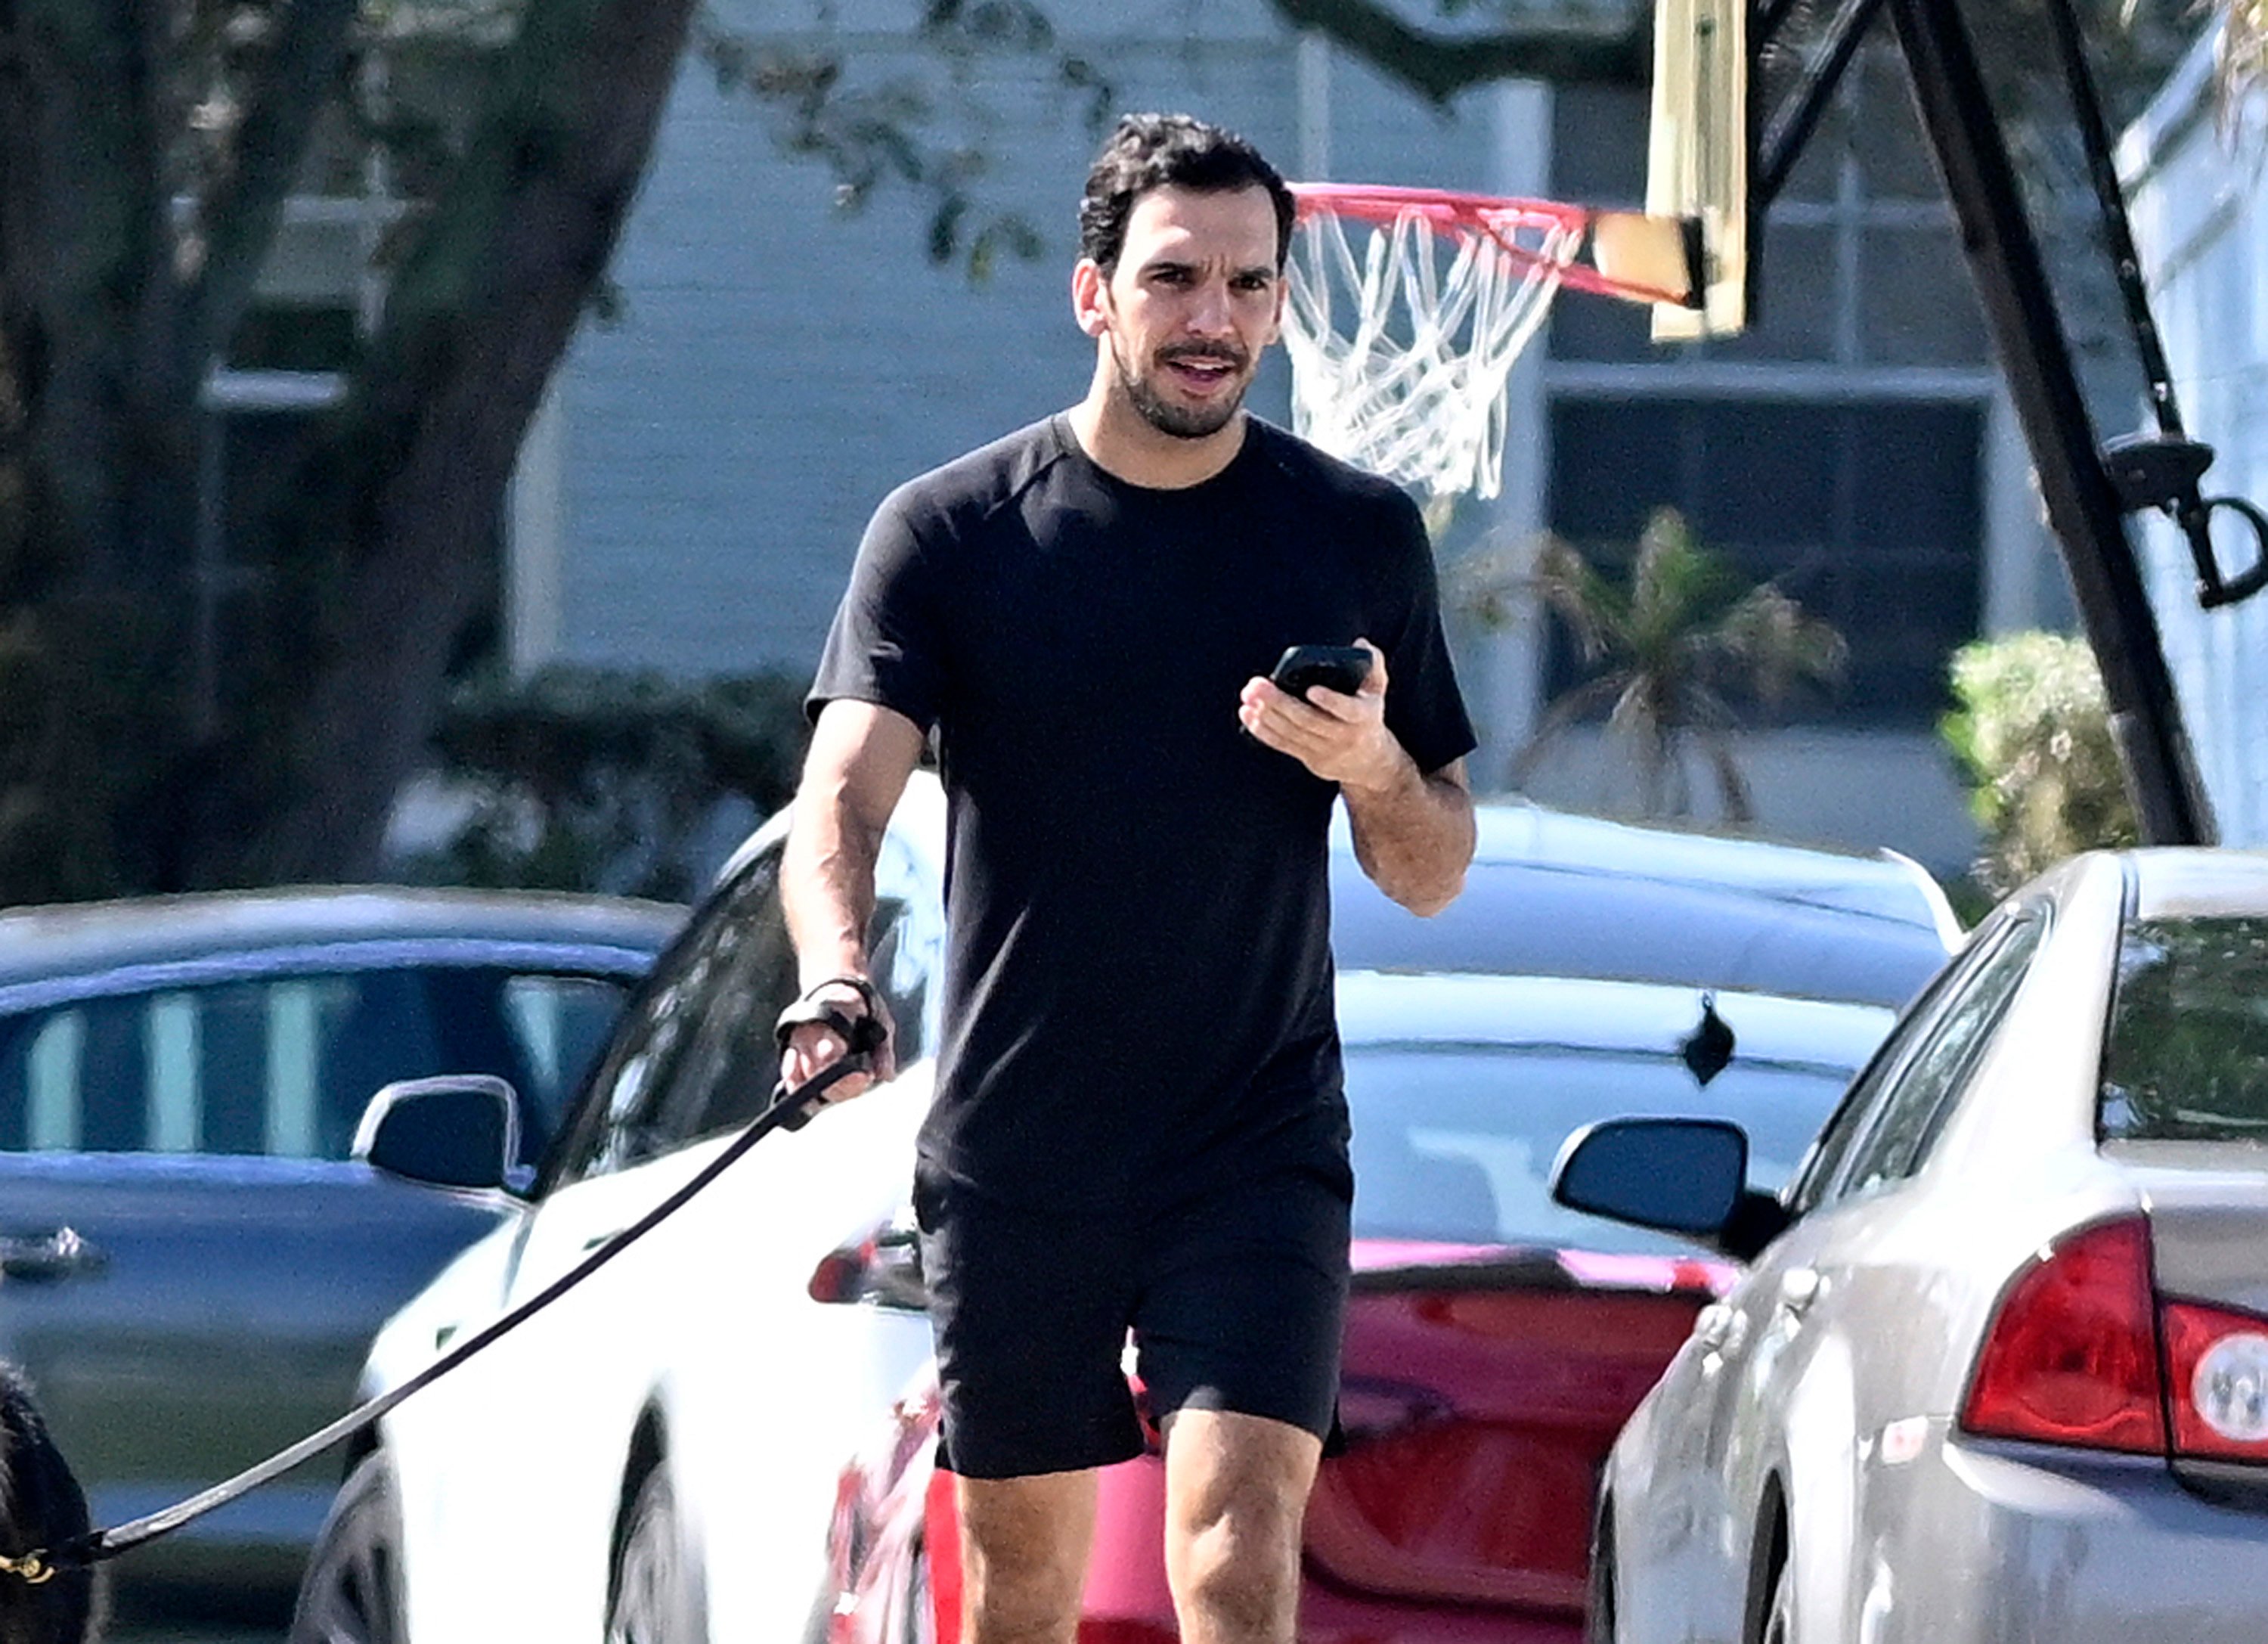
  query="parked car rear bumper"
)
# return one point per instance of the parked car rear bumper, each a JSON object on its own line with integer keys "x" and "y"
{"x": 2001, "y": 1542}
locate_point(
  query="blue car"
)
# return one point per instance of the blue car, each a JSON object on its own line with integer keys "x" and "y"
{"x": 191, "y": 1267}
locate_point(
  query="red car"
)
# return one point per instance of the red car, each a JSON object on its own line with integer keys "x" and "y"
{"x": 1495, "y": 1343}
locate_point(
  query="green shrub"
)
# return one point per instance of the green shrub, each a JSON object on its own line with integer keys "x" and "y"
{"x": 586, "y": 778}
{"x": 2032, "y": 736}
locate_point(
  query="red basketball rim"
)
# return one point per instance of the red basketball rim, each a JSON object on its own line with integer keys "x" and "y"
{"x": 1448, "y": 211}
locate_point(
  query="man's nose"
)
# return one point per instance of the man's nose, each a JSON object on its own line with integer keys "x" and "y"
{"x": 1210, "y": 311}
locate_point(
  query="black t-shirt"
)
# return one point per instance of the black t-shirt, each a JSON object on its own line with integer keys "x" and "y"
{"x": 1138, "y": 997}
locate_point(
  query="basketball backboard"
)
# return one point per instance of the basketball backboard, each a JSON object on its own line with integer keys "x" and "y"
{"x": 1699, "y": 156}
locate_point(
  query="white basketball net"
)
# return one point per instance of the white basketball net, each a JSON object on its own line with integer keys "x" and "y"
{"x": 1400, "y": 349}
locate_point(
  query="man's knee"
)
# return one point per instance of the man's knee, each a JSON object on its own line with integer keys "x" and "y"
{"x": 1240, "y": 1567}
{"x": 1236, "y": 1496}
{"x": 1024, "y": 1551}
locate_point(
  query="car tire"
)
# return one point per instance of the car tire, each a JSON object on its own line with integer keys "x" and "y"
{"x": 351, "y": 1593}
{"x": 657, "y": 1594}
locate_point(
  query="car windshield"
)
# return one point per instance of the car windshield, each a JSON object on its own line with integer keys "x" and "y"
{"x": 1454, "y": 1144}
{"x": 2186, "y": 1058}
{"x": 1522, "y": 918}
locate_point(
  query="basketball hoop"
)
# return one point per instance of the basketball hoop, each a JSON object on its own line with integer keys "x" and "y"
{"x": 1400, "y": 353}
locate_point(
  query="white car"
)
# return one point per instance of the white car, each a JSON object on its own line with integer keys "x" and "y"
{"x": 655, "y": 1459}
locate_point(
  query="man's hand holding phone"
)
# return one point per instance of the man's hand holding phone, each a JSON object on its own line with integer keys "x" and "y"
{"x": 1338, "y": 734}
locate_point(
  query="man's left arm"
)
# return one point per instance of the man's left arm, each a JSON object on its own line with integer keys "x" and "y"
{"x": 1413, "y": 829}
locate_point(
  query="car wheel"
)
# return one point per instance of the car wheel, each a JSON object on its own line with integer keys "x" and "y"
{"x": 657, "y": 1596}
{"x": 351, "y": 1593}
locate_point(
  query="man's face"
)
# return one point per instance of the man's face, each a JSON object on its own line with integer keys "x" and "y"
{"x": 1195, "y": 299}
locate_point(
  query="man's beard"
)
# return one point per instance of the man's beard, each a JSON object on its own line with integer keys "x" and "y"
{"x": 1181, "y": 422}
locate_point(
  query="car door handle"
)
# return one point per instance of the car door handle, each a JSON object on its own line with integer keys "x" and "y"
{"x": 44, "y": 1259}
{"x": 1798, "y": 1288}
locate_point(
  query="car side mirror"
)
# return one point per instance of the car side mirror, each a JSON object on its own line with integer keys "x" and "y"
{"x": 883, "y": 1267}
{"x": 457, "y": 1130}
{"x": 1677, "y": 1175}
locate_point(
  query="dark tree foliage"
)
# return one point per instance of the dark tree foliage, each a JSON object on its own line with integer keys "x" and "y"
{"x": 588, "y": 779}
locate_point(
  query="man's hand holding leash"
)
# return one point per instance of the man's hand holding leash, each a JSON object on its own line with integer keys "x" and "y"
{"x": 839, "y": 1016}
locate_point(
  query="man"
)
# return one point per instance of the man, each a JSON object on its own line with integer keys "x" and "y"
{"x": 1137, "y": 1122}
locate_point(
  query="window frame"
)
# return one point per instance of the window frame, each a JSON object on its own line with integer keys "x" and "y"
{"x": 1854, "y": 207}
{"x": 1816, "y": 1180}
{"x": 2016, "y": 950}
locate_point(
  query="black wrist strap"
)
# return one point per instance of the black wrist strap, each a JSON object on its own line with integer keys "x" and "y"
{"x": 862, "y": 1034}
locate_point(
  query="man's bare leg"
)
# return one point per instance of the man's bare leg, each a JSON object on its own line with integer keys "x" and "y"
{"x": 1023, "y": 1544}
{"x": 1236, "y": 1491}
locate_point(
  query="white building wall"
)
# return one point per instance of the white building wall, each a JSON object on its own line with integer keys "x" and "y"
{"x": 2193, "y": 177}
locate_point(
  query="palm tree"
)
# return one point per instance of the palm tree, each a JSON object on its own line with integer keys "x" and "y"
{"x": 1675, "y": 645}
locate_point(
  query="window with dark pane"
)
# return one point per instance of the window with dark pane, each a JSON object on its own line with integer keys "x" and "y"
{"x": 2187, "y": 1053}
{"x": 614, "y": 1120}
{"x": 1857, "y": 263}
{"x": 1870, "y": 515}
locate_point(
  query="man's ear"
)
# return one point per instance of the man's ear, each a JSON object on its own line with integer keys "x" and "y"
{"x": 1089, "y": 294}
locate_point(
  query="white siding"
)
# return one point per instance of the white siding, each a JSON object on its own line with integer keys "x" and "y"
{"x": 2197, "y": 218}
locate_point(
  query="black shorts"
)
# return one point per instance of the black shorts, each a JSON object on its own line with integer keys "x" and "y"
{"x": 1235, "y": 1302}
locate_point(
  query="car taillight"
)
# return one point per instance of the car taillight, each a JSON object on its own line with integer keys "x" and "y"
{"x": 2072, "y": 1356}
{"x": 2217, "y": 1368}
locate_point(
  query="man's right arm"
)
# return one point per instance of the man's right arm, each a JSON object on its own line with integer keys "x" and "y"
{"x": 861, "y": 754}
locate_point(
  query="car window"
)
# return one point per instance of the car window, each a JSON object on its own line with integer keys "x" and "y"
{"x": 1882, "y": 1131}
{"x": 608, "y": 1129}
{"x": 902, "y": 946}
{"x": 1923, "y": 1093}
{"x": 2186, "y": 1055}
{"x": 731, "y": 1064}
{"x": 1454, "y": 1144}
{"x": 1538, "y": 919}
{"x": 282, "y": 1067}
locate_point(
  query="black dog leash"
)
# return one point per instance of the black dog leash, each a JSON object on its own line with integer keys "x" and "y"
{"x": 787, "y": 1109}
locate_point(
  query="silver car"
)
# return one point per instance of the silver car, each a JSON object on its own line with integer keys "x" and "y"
{"x": 1998, "y": 1366}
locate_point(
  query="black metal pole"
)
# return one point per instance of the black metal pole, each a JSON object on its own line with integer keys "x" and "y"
{"x": 2170, "y": 802}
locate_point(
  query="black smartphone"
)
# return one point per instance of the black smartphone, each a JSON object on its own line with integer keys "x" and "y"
{"x": 1342, "y": 668}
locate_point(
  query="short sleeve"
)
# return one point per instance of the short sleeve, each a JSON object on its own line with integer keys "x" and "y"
{"x": 885, "y": 644}
{"x": 1425, "y": 709}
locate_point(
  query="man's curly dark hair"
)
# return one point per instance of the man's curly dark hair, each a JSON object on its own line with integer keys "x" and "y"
{"x": 1152, "y": 151}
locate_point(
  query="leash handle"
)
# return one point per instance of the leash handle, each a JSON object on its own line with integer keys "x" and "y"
{"x": 787, "y": 1109}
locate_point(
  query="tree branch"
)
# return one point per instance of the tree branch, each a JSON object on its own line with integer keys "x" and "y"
{"x": 299, "y": 68}
{"x": 1438, "y": 66}
{"x": 80, "y": 233}
{"x": 409, "y": 480}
